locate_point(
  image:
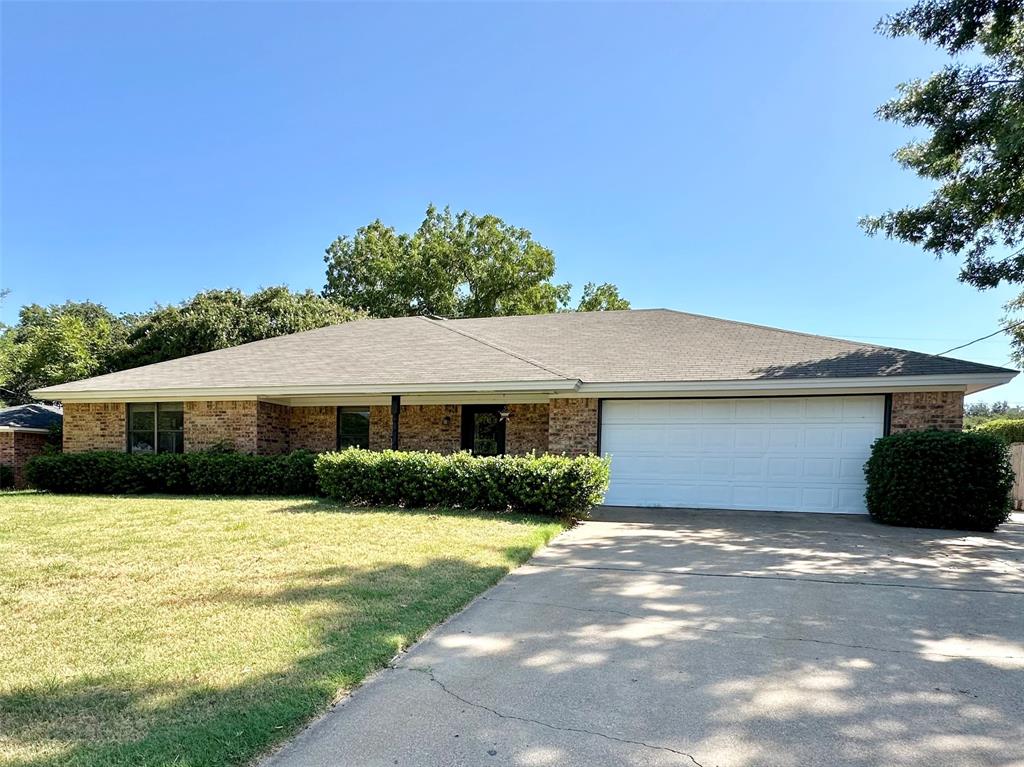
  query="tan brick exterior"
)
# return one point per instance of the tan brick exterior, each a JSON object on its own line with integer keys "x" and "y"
{"x": 221, "y": 422}
{"x": 314, "y": 428}
{"x": 7, "y": 449}
{"x": 567, "y": 426}
{"x": 916, "y": 411}
{"x": 94, "y": 426}
{"x": 380, "y": 427}
{"x": 572, "y": 426}
{"x": 420, "y": 427}
{"x": 16, "y": 447}
{"x": 273, "y": 428}
{"x": 527, "y": 429}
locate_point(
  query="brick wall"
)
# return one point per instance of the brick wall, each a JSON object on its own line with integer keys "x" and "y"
{"x": 420, "y": 427}
{"x": 527, "y": 429}
{"x": 7, "y": 448}
{"x": 572, "y": 426}
{"x": 914, "y": 411}
{"x": 215, "y": 422}
{"x": 273, "y": 428}
{"x": 314, "y": 428}
{"x": 16, "y": 447}
{"x": 94, "y": 426}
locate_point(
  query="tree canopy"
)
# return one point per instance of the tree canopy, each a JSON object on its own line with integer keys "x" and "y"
{"x": 55, "y": 344}
{"x": 218, "y": 319}
{"x": 973, "y": 114}
{"x": 453, "y": 265}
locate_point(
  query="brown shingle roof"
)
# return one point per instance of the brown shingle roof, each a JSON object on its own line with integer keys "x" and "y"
{"x": 656, "y": 345}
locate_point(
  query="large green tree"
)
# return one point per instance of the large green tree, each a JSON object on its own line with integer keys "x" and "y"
{"x": 972, "y": 115}
{"x": 217, "y": 319}
{"x": 453, "y": 265}
{"x": 54, "y": 344}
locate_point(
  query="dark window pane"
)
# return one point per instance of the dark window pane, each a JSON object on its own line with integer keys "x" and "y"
{"x": 141, "y": 417}
{"x": 140, "y": 442}
{"x": 170, "y": 420}
{"x": 485, "y": 434}
{"x": 354, "y": 427}
{"x": 170, "y": 442}
{"x": 156, "y": 427}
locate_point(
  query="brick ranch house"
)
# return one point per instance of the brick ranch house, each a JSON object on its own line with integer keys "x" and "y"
{"x": 695, "y": 411}
{"x": 25, "y": 431}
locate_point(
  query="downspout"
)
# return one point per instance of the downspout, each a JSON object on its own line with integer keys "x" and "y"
{"x": 396, "y": 409}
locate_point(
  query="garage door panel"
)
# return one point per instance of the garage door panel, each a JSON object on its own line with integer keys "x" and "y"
{"x": 820, "y": 469}
{"x": 793, "y": 453}
{"x": 785, "y": 438}
{"x": 822, "y": 437}
{"x": 824, "y": 408}
{"x": 851, "y": 469}
{"x": 786, "y": 409}
{"x": 748, "y": 467}
{"x": 751, "y": 438}
{"x": 716, "y": 468}
{"x": 717, "y": 438}
{"x": 859, "y": 438}
{"x": 862, "y": 408}
{"x": 784, "y": 469}
{"x": 752, "y": 410}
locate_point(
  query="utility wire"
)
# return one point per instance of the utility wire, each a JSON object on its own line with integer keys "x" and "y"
{"x": 997, "y": 332}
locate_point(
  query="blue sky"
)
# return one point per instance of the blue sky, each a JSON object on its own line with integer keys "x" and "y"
{"x": 708, "y": 158}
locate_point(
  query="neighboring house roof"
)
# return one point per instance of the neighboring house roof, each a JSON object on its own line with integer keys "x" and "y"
{"x": 551, "y": 352}
{"x": 34, "y": 417}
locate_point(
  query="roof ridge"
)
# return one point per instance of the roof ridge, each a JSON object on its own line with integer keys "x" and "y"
{"x": 496, "y": 347}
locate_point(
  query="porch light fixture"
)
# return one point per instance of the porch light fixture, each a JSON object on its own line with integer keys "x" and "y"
{"x": 504, "y": 414}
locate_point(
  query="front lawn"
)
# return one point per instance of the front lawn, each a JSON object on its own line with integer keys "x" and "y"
{"x": 193, "y": 631}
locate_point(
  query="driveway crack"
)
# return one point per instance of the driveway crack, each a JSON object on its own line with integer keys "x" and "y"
{"x": 429, "y": 673}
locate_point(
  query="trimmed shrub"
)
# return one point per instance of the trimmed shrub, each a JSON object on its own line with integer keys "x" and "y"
{"x": 545, "y": 484}
{"x": 945, "y": 479}
{"x": 215, "y": 473}
{"x": 1009, "y": 430}
{"x": 6, "y": 477}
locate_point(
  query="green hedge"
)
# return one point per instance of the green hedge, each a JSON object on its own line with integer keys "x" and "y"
{"x": 6, "y": 477}
{"x": 213, "y": 473}
{"x": 958, "y": 480}
{"x": 1009, "y": 430}
{"x": 545, "y": 484}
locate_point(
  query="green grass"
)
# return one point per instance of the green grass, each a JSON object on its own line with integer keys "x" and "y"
{"x": 193, "y": 631}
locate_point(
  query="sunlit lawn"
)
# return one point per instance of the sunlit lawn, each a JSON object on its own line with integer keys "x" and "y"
{"x": 182, "y": 631}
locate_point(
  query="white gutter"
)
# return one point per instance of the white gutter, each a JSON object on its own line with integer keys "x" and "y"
{"x": 30, "y": 429}
{"x": 318, "y": 390}
{"x": 969, "y": 382}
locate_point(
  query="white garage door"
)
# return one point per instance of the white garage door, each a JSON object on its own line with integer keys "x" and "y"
{"x": 781, "y": 453}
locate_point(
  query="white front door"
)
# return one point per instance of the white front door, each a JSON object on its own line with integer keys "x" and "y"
{"x": 772, "y": 453}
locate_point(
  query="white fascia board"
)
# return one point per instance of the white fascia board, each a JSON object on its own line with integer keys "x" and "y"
{"x": 28, "y": 429}
{"x": 506, "y": 398}
{"x": 319, "y": 390}
{"x": 968, "y": 383}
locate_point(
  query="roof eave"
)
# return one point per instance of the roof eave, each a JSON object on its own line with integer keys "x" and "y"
{"x": 249, "y": 392}
{"x": 969, "y": 383}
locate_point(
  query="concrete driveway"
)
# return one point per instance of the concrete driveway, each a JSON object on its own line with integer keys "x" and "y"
{"x": 713, "y": 638}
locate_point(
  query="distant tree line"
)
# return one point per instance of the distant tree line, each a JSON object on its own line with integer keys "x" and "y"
{"x": 977, "y": 413}
{"x": 454, "y": 265}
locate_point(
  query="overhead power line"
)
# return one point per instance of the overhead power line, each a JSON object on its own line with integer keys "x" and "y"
{"x": 995, "y": 333}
